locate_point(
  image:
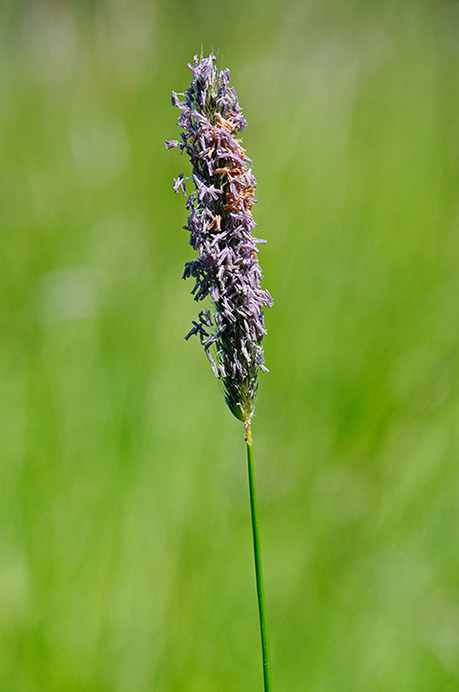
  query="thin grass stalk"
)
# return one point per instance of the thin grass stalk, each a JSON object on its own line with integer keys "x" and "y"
{"x": 258, "y": 562}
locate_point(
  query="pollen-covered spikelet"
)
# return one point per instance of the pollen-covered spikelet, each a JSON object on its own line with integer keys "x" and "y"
{"x": 220, "y": 224}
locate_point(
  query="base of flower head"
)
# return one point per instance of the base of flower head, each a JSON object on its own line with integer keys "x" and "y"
{"x": 239, "y": 412}
{"x": 240, "y": 398}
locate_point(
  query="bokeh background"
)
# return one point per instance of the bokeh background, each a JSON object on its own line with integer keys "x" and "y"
{"x": 125, "y": 548}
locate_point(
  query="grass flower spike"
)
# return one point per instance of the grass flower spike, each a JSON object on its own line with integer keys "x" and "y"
{"x": 226, "y": 267}
{"x": 220, "y": 225}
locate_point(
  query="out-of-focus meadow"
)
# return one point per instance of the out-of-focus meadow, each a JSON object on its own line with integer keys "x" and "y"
{"x": 125, "y": 547}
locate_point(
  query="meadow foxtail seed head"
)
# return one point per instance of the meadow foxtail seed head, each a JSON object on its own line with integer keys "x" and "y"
{"x": 220, "y": 224}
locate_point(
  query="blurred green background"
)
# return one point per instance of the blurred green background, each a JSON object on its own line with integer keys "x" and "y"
{"x": 125, "y": 548}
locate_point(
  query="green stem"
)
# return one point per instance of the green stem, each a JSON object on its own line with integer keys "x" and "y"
{"x": 258, "y": 568}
